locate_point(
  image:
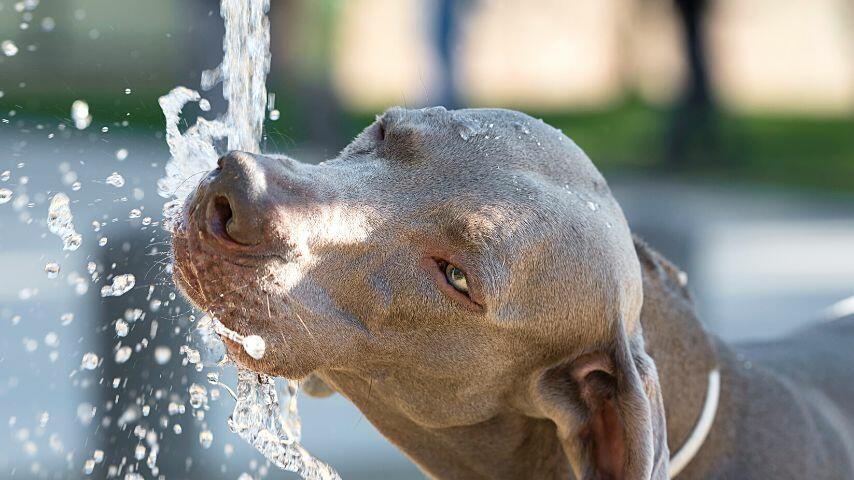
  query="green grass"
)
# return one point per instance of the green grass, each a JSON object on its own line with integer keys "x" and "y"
{"x": 799, "y": 152}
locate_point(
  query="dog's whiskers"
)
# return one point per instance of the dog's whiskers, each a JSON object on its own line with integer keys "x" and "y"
{"x": 199, "y": 281}
{"x": 306, "y": 329}
{"x": 162, "y": 262}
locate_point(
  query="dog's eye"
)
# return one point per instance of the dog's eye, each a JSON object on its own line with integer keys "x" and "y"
{"x": 456, "y": 278}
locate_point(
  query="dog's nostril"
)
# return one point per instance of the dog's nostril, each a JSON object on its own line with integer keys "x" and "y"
{"x": 222, "y": 212}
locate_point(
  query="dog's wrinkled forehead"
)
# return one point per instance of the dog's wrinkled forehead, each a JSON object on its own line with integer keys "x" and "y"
{"x": 471, "y": 139}
{"x": 509, "y": 182}
{"x": 491, "y": 168}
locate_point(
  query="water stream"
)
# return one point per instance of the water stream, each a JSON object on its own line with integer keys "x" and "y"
{"x": 258, "y": 417}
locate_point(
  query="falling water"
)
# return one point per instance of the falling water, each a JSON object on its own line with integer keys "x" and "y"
{"x": 257, "y": 417}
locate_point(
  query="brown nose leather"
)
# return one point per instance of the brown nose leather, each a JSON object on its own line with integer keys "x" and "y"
{"x": 236, "y": 200}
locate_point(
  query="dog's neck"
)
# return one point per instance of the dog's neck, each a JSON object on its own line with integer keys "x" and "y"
{"x": 684, "y": 353}
{"x": 507, "y": 446}
{"x": 515, "y": 445}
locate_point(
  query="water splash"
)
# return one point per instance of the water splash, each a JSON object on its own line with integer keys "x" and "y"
{"x": 60, "y": 222}
{"x": 257, "y": 419}
{"x": 257, "y": 416}
{"x": 116, "y": 179}
{"x": 243, "y": 73}
{"x": 121, "y": 284}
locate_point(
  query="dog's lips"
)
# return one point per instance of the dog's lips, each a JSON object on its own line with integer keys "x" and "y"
{"x": 209, "y": 292}
{"x": 193, "y": 260}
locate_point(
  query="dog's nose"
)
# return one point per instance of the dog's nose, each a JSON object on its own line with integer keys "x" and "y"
{"x": 236, "y": 200}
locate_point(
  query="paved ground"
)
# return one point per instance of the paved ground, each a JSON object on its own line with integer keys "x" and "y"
{"x": 760, "y": 262}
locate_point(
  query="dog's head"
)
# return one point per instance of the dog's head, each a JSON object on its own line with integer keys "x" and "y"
{"x": 466, "y": 263}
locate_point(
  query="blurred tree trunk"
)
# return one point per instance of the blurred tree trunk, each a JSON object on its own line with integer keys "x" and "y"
{"x": 445, "y": 38}
{"x": 691, "y": 134}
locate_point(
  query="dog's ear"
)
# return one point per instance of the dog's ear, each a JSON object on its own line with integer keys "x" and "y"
{"x": 608, "y": 411}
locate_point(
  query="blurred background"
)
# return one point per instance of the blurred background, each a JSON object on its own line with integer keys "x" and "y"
{"x": 725, "y": 128}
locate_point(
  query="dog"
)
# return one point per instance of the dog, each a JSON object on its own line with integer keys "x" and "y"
{"x": 468, "y": 281}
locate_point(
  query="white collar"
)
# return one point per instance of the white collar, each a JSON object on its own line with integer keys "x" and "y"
{"x": 701, "y": 430}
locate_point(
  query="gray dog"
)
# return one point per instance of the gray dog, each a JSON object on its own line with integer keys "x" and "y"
{"x": 468, "y": 281}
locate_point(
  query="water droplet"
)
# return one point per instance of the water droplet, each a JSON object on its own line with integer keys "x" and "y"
{"x": 30, "y": 345}
{"x": 9, "y": 48}
{"x": 206, "y": 438}
{"x": 592, "y": 206}
{"x": 66, "y": 318}
{"x": 274, "y": 114}
{"x": 193, "y": 355}
{"x": 88, "y": 467}
{"x": 198, "y": 395}
{"x": 80, "y": 114}
{"x": 115, "y": 179}
{"x": 175, "y": 408}
{"x": 254, "y": 346}
{"x": 122, "y": 328}
{"x": 139, "y": 452}
{"x": 135, "y": 213}
{"x": 6, "y": 173}
{"x": 123, "y": 354}
{"x": 204, "y": 105}
{"x": 98, "y": 456}
{"x": 5, "y": 195}
{"x": 90, "y": 361}
{"x": 522, "y": 128}
{"x": 85, "y": 412}
{"x": 48, "y": 24}
{"x": 162, "y": 355}
{"x": 52, "y": 269}
{"x": 128, "y": 91}
{"x": 51, "y": 339}
{"x": 121, "y": 154}
{"x": 121, "y": 285}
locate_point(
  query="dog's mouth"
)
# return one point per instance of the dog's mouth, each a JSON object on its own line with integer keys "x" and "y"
{"x": 240, "y": 290}
{"x": 222, "y": 286}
